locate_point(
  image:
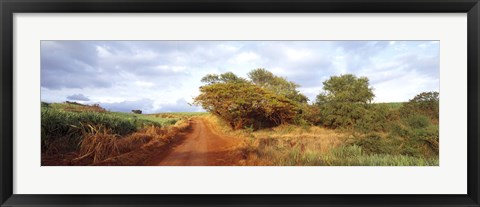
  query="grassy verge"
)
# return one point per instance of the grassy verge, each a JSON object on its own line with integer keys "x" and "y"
{"x": 290, "y": 145}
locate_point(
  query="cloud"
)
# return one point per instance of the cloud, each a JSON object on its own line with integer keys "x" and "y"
{"x": 78, "y": 97}
{"x": 181, "y": 105}
{"x": 103, "y": 64}
{"x": 146, "y": 105}
{"x": 149, "y": 106}
{"x": 156, "y": 76}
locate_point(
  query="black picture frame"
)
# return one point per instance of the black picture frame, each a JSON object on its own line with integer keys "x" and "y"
{"x": 9, "y": 7}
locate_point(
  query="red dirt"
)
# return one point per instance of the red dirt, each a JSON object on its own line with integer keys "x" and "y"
{"x": 200, "y": 147}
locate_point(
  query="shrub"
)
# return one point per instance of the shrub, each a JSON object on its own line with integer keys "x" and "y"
{"x": 344, "y": 101}
{"x": 245, "y": 104}
{"x": 426, "y": 103}
{"x": 312, "y": 114}
{"x": 373, "y": 143}
{"x": 417, "y": 121}
{"x": 374, "y": 118}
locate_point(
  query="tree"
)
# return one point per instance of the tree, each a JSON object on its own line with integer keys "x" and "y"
{"x": 243, "y": 104}
{"x": 344, "y": 101}
{"x": 278, "y": 85}
{"x": 223, "y": 78}
{"x": 425, "y": 103}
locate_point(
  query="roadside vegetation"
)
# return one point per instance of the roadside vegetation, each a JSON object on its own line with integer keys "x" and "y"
{"x": 277, "y": 125}
{"x": 78, "y": 134}
{"x": 341, "y": 127}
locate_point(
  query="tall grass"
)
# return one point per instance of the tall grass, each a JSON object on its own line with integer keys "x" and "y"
{"x": 87, "y": 135}
{"x": 290, "y": 145}
{"x": 340, "y": 156}
{"x": 61, "y": 131}
{"x": 354, "y": 156}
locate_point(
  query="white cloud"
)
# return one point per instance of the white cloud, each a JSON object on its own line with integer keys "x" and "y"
{"x": 144, "y": 84}
{"x": 165, "y": 75}
{"x": 246, "y": 57}
{"x": 103, "y": 52}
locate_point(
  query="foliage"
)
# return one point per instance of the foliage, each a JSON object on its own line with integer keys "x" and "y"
{"x": 265, "y": 100}
{"x": 65, "y": 128}
{"x": 227, "y": 77}
{"x": 346, "y": 88}
{"x": 62, "y": 130}
{"x": 373, "y": 143}
{"x": 312, "y": 114}
{"x": 426, "y": 103}
{"x": 75, "y": 107}
{"x": 355, "y": 156}
{"x": 391, "y": 105}
{"x": 374, "y": 118}
{"x": 402, "y": 140}
{"x": 246, "y": 104}
{"x": 417, "y": 121}
{"x": 344, "y": 101}
{"x": 276, "y": 84}
{"x": 418, "y": 141}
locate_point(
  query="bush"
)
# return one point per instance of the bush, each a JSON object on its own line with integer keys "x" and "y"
{"x": 426, "y": 103}
{"x": 373, "y": 143}
{"x": 417, "y": 121}
{"x": 245, "y": 104}
{"x": 312, "y": 114}
{"x": 344, "y": 101}
{"x": 374, "y": 118}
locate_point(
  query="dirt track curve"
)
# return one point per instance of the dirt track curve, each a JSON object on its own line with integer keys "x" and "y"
{"x": 200, "y": 147}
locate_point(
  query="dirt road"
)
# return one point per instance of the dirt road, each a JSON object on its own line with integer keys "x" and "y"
{"x": 201, "y": 147}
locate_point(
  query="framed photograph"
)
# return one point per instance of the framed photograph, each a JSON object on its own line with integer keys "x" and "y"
{"x": 239, "y": 103}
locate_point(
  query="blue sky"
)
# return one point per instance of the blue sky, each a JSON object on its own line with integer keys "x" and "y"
{"x": 164, "y": 76}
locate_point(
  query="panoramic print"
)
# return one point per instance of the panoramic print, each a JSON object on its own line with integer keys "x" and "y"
{"x": 240, "y": 103}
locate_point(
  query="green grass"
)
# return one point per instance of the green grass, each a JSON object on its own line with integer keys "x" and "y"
{"x": 345, "y": 156}
{"x": 147, "y": 118}
{"x": 392, "y": 105}
{"x": 354, "y": 156}
{"x": 179, "y": 114}
{"x": 164, "y": 119}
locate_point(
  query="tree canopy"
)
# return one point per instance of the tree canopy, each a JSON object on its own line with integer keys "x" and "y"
{"x": 344, "y": 100}
{"x": 223, "y": 78}
{"x": 425, "y": 103}
{"x": 242, "y": 104}
{"x": 346, "y": 88}
{"x": 277, "y": 84}
{"x": 263, "y": 100}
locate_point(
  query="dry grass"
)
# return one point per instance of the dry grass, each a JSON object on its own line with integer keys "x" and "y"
{"x": 98, "y": 144}
{"x": 100, "y": 147}
{"x": 282, "y": 145}
{"x": 291, "y": 145}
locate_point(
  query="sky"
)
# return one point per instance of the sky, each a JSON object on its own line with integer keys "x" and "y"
{"x": 164, "y": 76}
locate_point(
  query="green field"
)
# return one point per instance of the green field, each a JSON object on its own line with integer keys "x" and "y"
{"x": 163, "y": 119}
{"x": 392, "y": 105}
